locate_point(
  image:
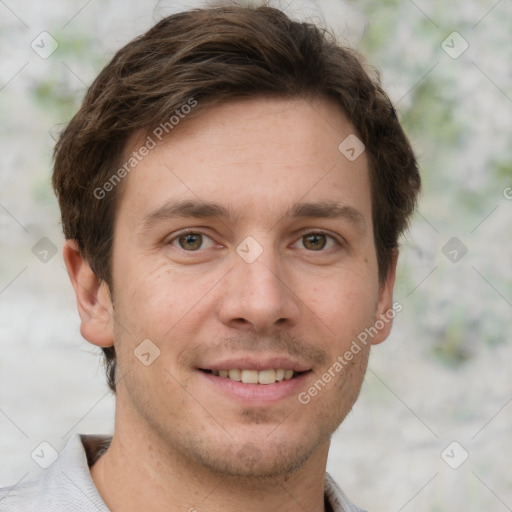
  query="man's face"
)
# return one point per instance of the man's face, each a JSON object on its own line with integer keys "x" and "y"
{"x": 283, "y": 281}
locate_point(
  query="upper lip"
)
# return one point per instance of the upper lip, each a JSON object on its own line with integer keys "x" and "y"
{"x": 256, "y": 363}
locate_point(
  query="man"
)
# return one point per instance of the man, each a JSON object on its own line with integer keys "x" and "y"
{"x": 232, "y": 191}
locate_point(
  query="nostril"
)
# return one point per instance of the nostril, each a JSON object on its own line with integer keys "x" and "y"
{"x": 241, "y": 321}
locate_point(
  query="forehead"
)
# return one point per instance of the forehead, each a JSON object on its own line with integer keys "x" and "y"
{"x": 254, "y": 155}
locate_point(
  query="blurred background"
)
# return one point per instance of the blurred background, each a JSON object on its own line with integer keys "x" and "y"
{"x": 432, "y": 430}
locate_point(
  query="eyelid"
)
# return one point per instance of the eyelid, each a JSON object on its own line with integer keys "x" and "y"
{"x": 184, "y": 232}
{"x": 339, "y": 240}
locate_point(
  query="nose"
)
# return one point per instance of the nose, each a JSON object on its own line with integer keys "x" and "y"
{"x": 258, "y": 296}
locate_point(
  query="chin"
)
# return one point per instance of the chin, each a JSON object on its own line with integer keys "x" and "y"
{"x": 253, "y": 461}
{"x": 254, "y": 453}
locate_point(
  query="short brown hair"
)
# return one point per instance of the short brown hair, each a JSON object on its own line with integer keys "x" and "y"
{"x": 211, "y": 55}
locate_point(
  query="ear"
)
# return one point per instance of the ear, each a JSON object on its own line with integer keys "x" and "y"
{"x": 92, "y": 296}
{"x": 386, "y": 309}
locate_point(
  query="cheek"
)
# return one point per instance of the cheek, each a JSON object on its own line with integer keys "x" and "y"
{"x": 160, "y": 300}
{"x": 344, "y": 305}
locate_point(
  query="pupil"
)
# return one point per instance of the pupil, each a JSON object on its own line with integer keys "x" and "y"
{"x": 190, "y": 241}
{"x": 315, "y": 241}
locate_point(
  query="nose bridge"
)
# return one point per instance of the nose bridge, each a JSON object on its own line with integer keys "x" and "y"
{"x": 257, "y": 259}
{"x": 261, "y": 279}
{"x": 258, "y": 294}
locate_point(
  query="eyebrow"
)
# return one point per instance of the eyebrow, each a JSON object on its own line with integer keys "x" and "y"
{"x": 204, "y": 209}
{"x": 329, "y": 210}
{"x": 187, "y": 208}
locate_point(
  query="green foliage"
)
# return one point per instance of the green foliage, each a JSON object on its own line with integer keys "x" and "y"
{"x": 446, "y": 105}
{"x": 78, "y": 56}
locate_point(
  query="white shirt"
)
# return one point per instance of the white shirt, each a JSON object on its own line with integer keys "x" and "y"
{"x": 67, "y": 484}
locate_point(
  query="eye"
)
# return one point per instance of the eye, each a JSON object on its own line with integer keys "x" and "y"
{"x": 318, "y": 241}
{"x": 192, "y": 241}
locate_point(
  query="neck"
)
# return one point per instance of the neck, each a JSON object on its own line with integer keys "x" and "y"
{"x": 139, "y": 472}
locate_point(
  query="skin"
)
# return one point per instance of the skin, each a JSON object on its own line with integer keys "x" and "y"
{"x": 181, "y": 442}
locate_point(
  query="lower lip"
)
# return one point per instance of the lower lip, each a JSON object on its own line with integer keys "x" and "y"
{"x": 254, "y": 393}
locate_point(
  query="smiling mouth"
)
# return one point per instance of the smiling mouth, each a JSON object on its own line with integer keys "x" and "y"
{"x": 270, "y": 376}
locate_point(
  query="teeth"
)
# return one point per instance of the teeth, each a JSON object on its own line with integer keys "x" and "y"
{"x": 235, "y": 375}
{"x": 269, "y": 376}
{"x": 250, "y": 376}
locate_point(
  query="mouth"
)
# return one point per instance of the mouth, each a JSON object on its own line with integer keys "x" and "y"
{"x": 258, "y": 381}
{"x": 256, "y": 377}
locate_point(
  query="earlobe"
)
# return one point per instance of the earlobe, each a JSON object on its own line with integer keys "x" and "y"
{"x": 386, "y": 309}
{"x": 92, "y": 297}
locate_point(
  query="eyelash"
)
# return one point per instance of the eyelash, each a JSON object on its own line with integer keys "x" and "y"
{"x": 339, "y": 243}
